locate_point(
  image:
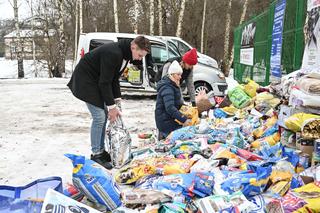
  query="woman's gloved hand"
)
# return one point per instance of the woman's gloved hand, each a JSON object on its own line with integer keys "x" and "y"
{"x": 187, "y": 123}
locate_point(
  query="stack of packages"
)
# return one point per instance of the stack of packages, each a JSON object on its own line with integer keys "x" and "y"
{"x": 241, "y": 158}
{"x": 299, "y": 117}
{"x": 238, "y": 159}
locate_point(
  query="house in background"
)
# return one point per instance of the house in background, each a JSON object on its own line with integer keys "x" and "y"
{"x": 26, "y": 36}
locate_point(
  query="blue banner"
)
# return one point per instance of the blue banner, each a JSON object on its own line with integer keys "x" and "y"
{"x": 275, "y": 59}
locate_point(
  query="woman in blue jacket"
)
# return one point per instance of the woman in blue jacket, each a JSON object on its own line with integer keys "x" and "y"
{"x": 169, "y": 101}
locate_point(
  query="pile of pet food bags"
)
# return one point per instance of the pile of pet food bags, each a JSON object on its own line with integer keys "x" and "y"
{"x": 232, "y": 160}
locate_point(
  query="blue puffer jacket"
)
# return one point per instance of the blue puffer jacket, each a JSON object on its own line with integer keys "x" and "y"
{"x": 168, "y": 104}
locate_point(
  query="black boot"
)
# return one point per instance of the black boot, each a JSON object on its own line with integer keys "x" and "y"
{"x": 106, "y": 156}
{"x": 102, "y": 160}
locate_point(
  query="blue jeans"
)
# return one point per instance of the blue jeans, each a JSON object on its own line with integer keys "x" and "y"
{"x": 98, "y": 128}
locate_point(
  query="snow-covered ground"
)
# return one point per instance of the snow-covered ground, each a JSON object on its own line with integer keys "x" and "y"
{"x": 9, "y": 68}
{"x": 40, "y": 121}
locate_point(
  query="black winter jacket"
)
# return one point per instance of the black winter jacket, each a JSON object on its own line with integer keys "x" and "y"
{"x": 96, "y": 77}
{"x": 167, "y": 107}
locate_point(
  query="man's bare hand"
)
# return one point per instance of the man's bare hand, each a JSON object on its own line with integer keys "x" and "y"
{"x": 113, "y": 114}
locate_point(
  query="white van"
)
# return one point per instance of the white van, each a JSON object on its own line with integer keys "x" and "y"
{"x": 205, "y": 77}
{"x": 184, "y": 47}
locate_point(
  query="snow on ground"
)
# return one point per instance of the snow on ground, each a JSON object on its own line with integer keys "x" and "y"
{"x": 40, "y": 121}
{"x": 9, "y": 68}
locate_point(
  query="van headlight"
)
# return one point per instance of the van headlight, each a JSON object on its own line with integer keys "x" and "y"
{"x": 221, "y": 75}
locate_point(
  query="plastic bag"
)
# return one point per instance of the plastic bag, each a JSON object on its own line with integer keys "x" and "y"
{"x": 57, "y": 202}
{"x": 132, "y": 173}
{"x": 174, "y": 207}
{"x": 221, "y": 151}
{"x": 266, "y": 98}
{"x": 205, "y": 101}
{"x": 311, "y": 128}
{"x": 268, "y": 128}
{"x": 219, "y": 113}
{"x": 291, "y": 203}
{"x": 251, "y": 88}
{"x": 27, "y": 198}
{"x": 311, "y": 194}
{"x": 238, "y": 139}
{"x": 143, "y": 196}
{"x": 168, "y": 165}
{"x": 271, "y": 140}
{"x": 189, "y": 185}
{"x": 119, "y": 143}
{"x": 134, "y": 75}
{"x": 188, "y": 149}
{"x": 72, "y": 192}
{"x": 259, "y": 203}
{"x": 191, "y": 113}
{"x": 239, "y": 98}
{"x": 92, "y": 181}
{"x": 250, "y": 184}
{"x": 246, "y": 154}
{"x": 235, "y": 202}
{"x": 296, "y": 121}
{"x": 185, "y": 133}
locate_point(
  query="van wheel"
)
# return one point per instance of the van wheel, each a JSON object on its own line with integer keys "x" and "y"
{"x": 199, "y": 86}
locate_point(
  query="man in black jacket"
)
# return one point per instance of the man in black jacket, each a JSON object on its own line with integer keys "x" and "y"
{"x": 95, "y": 81}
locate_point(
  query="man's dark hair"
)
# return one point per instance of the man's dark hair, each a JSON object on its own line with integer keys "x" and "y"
{"x": 143, "y": 43}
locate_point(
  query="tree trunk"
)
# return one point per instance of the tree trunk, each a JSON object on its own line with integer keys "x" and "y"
{"x": 33, "y": 41}
{"x": 180, "y": 18}
{"x": 136, "y": 10}
{"x": 116, "y": 19}
{"x": 203, "y": 24}
{"x": 151, "y": 9}
{"x": 18, "y": 45}
{"x": 61, "y": 45}
{"x": 76, "y": 33}
{"x": 80, "y": 17}
{"x": 243, "y": 15}
{"x": 227, "y": 37}
{"x": 160, "y": 16}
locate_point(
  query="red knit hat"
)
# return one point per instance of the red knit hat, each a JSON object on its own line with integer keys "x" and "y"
{"x": 190, "y": 57}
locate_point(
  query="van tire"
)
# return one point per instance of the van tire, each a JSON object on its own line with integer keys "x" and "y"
{"x": 198, "y": 86}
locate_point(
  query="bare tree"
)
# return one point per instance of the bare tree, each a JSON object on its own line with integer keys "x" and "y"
{"x": 80, "y": 16}
{"x": 76, "y": 32}
{"x": 116, "y": 19}
{"x": 136, "y": 10}
{"x": 243, "y": 15}
{"x": 62, "y": 42}
{"x": 18, "y": 45}
{"x": 160, "y": 16}
{"x": 227, "y": 36}
{"x": 30, "y": 3}
{"x": 180, "y": 19}
{"x": 203, "y": 24}
{"x": 151, "y": 9}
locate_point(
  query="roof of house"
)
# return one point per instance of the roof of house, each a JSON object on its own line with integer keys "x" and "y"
{"x": 27, "y": 33}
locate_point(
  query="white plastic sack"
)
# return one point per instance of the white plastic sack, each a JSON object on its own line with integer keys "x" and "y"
{"x": 119, "y": 143}
{"x": 57, "y": 202}
{"x": 300, "y": 98}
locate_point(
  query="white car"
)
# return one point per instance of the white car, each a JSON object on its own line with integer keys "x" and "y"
{"x": 205, "y": 77}
{"x": 184, "y": 47}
